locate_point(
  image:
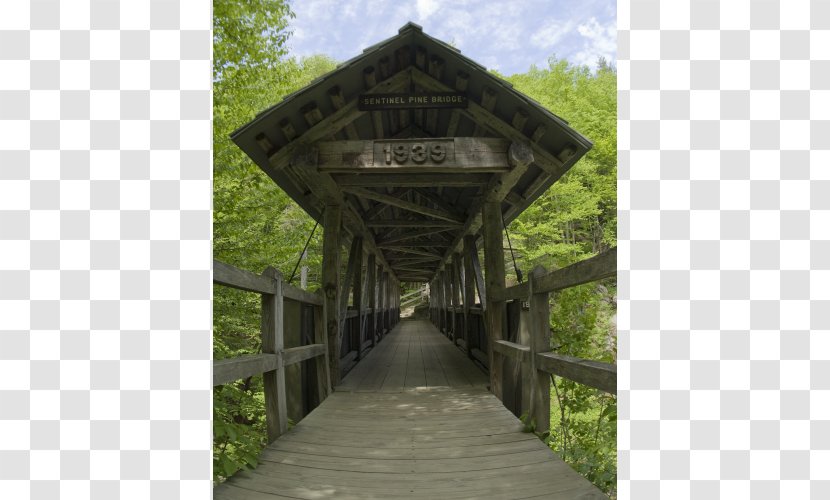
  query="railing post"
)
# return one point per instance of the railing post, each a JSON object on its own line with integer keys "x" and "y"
{"x": 321, "y": 362}
{"x": 494, "y": 278}
{"x": 539, "y": 342}
{"x": 276, "y": 412}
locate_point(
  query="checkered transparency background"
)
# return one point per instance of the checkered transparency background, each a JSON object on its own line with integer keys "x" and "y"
{"x": 105, "y": 252}
{"x": 724, "y": 222}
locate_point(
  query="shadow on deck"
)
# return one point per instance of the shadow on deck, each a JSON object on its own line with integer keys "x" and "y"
{"x": 412, "y": 420}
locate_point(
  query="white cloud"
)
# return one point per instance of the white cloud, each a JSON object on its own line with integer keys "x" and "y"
{"x": 599, "y": 41}
{"x": 426, "y": 8}
{"x": 548, "y": 36}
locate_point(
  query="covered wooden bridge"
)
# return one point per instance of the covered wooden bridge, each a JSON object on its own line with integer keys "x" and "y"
{"x": 413, "y": 157}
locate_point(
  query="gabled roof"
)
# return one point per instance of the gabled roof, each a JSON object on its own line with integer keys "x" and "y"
{"x": 281, "y": 138}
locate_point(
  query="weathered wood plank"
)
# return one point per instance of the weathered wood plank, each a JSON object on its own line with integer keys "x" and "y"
{"x": 228, "y": 275}
{"x": 406, "y": 205}
{"x": 414, "y": 234}
{"x": 597, "y": 267}
{"x": 335, "y": 121}
{"x": 461, "y": 155}
{"x": 539, "y": 333}
{"x": 337, "y": 100}
{"x": 412, "y": 223}
{"x": 461, "y": 81}
{"x": 495, "y": 312}
{"x": 321, "y": 363}
{"x": 300, "y": 295}
{"x": 297, "y": 354}
{"x": 512, "y": 350}
{"x": 412, "y": 179}
{"x": 469, "y": 290}
{"x": 602, "y": 376}
{"x": 276, "y": 410}
{"x": 331, "y": 286}
{"x": 231, "y": 369}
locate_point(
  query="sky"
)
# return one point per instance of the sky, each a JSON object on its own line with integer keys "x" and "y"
{"x": 508, "y": 35}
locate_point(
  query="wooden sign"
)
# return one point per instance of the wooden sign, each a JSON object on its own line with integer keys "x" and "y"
{"x": 409, "y": 152}
{"x": 423, "y": 155}
{"x": 409, "y": 100}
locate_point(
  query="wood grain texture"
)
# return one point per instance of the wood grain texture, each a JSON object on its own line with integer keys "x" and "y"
{"x": 602, "y": 376}
{"x": 446, "y": 439}
{"x": 228, "y": 275}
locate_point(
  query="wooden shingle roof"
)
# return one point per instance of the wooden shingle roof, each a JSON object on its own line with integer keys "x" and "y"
{"x": 313, "y": 141}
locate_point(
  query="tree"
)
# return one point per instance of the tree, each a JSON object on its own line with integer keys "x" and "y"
{"x": 575, "y": 219}
{"x": 255, "y": 223}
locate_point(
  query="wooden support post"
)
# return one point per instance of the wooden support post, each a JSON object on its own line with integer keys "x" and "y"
{"x": 453, "y": 302}
{"x": 371, "y": 279}
{"x": 321, "y": 362}
{"x": 357, "y": 298}
{"x": 355, "y": 251}
{"x": 458, "y": 298}
{"x": 384, "y": 303}
{"x": 539, "y": 342}
{"x": 276, "y": 410}
{"x": 331, "y": 286}
{"x": 469, "y": 290}
{"x": 494, "y": 267}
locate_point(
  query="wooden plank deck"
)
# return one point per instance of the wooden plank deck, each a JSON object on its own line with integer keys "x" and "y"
{"x": 412, "y": 420}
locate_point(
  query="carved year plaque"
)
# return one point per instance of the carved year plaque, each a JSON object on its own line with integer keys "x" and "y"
{"x": 414, "y": 152}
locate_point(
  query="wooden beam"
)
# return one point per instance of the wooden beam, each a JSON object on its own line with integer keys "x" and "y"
{"x": 455, "y": 289}
{"x": 512, "y": 350}
{"x": 332, "y": 218}
{"x": 406, "y": 205}
{"x": 377, "y": 118}
{"x": 416, "y": 244}
{"x": 321, "y": 363}
{"x": 481, "y": 115}
{"x": 461, "y": 81}
{"x": 355, "y": 262}
{"x": 295, "y": 355}
{"x": 495, "y": 312}
{"x": 337, "y": 100}
{"x": 357, "y": 295}
{"x": 414, "y": 234}
{"x": 439, "y": 202}
{"x": 469, "y": 290}
{"x": 488, "y": 103}
{"x": 520, "y": 156}
{"x": 412, "y": 223}
{"x": 436, "y": 70}
{"x": 300, "y": 295}
{"x": 228, "y": 275}
{"x": 457, "y": 155}
{"x": 597, "y": 267}
{"x": 336, "y": 121}
{"x": 276, "y": 409}
{"x": 602, "y": 376}
{"x": 415, "y": 251}
{"x": 412, "y": 180}
{"x": 371, "y": 293}
{"x": 539, "y": 330}
{"x": 231, "y": 369}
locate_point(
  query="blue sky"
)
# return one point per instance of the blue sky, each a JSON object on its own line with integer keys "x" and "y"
{"x": 507, "y": 35}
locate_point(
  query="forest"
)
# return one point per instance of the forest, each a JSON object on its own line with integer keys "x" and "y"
{"x": 257, "y": 225}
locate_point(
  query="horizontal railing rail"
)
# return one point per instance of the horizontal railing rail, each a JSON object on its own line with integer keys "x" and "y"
{"x": 275, "y": 357}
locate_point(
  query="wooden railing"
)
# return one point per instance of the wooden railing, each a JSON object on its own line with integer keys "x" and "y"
{"x": 536, "y": 360}
{"x": 274, "y": 358}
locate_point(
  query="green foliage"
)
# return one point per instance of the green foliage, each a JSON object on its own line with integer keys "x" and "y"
{"x": 255, "y": 224}
{"x": 575, "y": 219}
